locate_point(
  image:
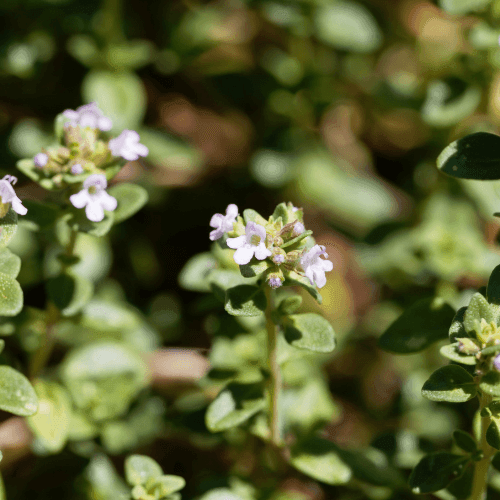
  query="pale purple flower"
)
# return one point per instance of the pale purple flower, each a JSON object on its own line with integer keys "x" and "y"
{"x": 223, "y": 223}
{"x": 253, "y": 242}
{"x": 88, "y": 115}
{"x": 127, "y": 146}
{"x": 496, "y": 362}
{"x": 314, "y": 267}
{"x": 41, "y": 160}
{"x": 298, "y": 229}
{"x": 295, "y": 209}
{"x": 8, "y": 194}
{"x": 94, "y": 198}
{"x": 76, "y": 169}
{"x": 278, "y": 259}
{"x": 274, "y": 282}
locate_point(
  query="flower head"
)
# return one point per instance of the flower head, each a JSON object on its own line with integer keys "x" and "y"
{"x": 76, "y": 169}
{"x": 298, "y": 229}
{"x": 274, "y": 281}
{"x": 94, "y": 198}
{"x": 127, "y": 146}
{"x": 8, "y": 194}
{"x": 41, "y": 160}
{"x": 88, "y": 115}
{"x": 223, "y": 223}
{"x": 253, "y": 242}
{"x": 314, "y": 267}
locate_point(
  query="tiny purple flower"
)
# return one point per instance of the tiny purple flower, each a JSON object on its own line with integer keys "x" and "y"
{"x": 298, "y": 229}
{"x": 94, "y": 198}
{"x": 127, "y": 146}
{"x": 295, "y": 209}
{"x": 88, "y": 115}
{"x": 223, "y": 223}
{"x": 274, "y": 282}
{"x": 76, "y": 169}
{"x": 314, "y": 267}
{"x": 278, "y": 259}
{"x": 41, "y": 160}
{"x": 8, "y": 194}
{"x": 496, "y": 362}
{"x": 253, "y": 242}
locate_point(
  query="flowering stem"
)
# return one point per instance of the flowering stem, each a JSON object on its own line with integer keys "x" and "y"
{"x": 274, "y": 383}
{"x": 481, "y": 468}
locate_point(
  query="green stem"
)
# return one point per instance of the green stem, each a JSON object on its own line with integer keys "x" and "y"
{"x": 110, "y": 22}
{"x": 53, "y": 315}
{"x": 274, "y": 383}
{"x": 481, "y": 468}
{"x": 42, "y": 355}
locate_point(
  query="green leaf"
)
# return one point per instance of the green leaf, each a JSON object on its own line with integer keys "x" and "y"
{"x": 347, "y": 25}
{"x": 465, "y": 441}
{"x": 496, "y": 461}
{"x": 371, "y": 466}
{"x": 493, "y": 433}
{"x": 254, "y": 269}
{"x": 8, "y": 227}
{"x": 120, "y": 95}
{"x": 289, "y": 305}
{"x": 294, "y": 279}
{"x": 245, "y": 300}
{"x": 16, "y": 393}
{"x": 450, "y": 383}
{"x": 319, "y": 458}
{"x": 297, "y": 239}
{"x": 193, "y": 275}
{"x": 131, "y": 198}
{"x": 478, "y": 309}
{"x": 461, "y": 488}
{"x": 252, "y": 215}
{"x": 436, "y": 471}
{"x": 235, "y": 404}
{"x": 70, "y": 292}
{"x": 103, "y": 378}
{"x": 490, "y": 383}
{"x": 221, "y": 280}
{"x": 11, "y": 296}
{"x": 450, "y": 352}
{"x": 309, "y": 331}
{"x": 457, "y": 329}
{"x": 493, "y": 289}
{"x": 51, "y": 424}
{"x": 140, "y": 468}
{"x": 28, "y": 168}
{"x": 166, "y": 485}
{"x": 443, "y": 109}
{"x": 282, "y": 211}
{"x": 10, "y": 263}
{"x": 475, "y": 156}
{"x": 422, "y": 324}
{"x": 460, "y": 7}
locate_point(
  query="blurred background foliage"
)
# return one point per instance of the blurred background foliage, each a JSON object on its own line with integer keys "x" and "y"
{"x": 340, "y": 106}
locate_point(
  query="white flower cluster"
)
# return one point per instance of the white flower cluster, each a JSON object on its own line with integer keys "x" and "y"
{"x": 82, "y": 127}
{"x": 254, "y": 244}
{"x": 8, "y": 194}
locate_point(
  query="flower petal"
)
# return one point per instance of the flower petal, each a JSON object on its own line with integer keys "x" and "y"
{"x": 261, "y": 252}
{"x": 244, "y": 254}
{"x": 107, "y": 201}
{"x": 319, "y": 277}
{"x": 94, "y": 211}
{"x": 18, "y": 206}
{"x": 80, "y": 199}
{"x": 236, "y": 242}
{"x": 216, "y": 234}
{"x": 232, "y": 210}
{"x": 216, "y": 220}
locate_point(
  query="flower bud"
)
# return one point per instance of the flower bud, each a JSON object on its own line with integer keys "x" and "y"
{"x": 278, "y": 241}
{"x": 298, "y": 229}
{"x": 274, "y": 280}
{"x": 467, "y": 346}
{"x": 279, "y": 255}
{"x": 293, "y": 256}
{"x": 496, "y": 363}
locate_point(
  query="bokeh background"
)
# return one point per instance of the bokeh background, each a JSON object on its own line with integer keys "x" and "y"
{"x": 339, "y": 106}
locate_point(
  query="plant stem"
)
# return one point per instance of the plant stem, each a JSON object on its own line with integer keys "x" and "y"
{"x": 42, "y": 355}
{"x": 274, "y": 383}
{"x": 481, "y": 468}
